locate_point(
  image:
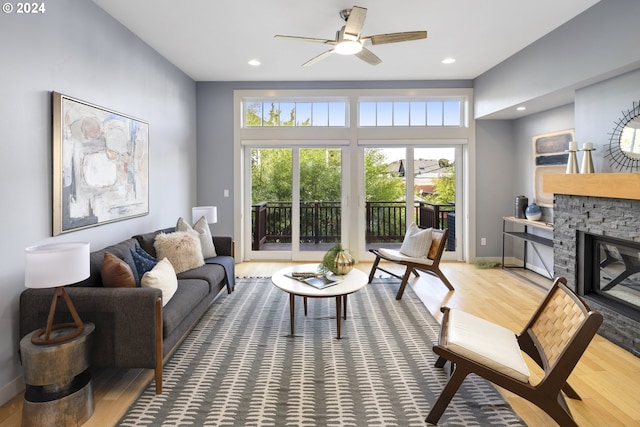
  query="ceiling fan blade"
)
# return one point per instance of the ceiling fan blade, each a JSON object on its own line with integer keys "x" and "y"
{"x": 318, "y": 58}
{"x": 396, "y": 37}
{"x": 305, "y": 39}
{"x": 355, "y": 22}
{"x": 367, "y": 56}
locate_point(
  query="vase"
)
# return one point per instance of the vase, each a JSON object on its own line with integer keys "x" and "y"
{"x": 533, "y": 212}
{"x": 521, "y": 206}
{"x": 343, "y": 263}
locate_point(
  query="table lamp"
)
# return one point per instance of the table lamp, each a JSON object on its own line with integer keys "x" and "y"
{"x": 209, "y": 212}
{"x": 55, "y": 266}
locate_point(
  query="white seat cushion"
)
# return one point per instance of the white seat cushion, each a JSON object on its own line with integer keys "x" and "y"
{"x": 397, "y": 256}
{"x": 486, "y": 343}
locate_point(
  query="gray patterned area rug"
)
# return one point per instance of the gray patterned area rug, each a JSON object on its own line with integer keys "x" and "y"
{"x": 241, "y": 367}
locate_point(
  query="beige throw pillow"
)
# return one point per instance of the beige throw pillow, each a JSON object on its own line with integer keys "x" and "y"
{"x": 182, "y": 248}
{"x": 204, "y": 234}
{"x": 416, "y": 242}
{"x": 162, "y": 277}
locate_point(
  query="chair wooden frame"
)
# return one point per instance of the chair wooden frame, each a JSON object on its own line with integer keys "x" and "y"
{"x": 555, "y": 338}
{"x": 439, "y": 239}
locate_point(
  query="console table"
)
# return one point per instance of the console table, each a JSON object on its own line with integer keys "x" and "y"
{"x": 509, "y": 224}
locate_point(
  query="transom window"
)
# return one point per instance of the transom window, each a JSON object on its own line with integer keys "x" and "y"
{"x": 288, "y": 113}
{"x": 410, "y": 113}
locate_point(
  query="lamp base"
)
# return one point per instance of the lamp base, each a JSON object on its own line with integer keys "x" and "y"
{"x": 44, "y": 336}
{"x": 39, "y": 338}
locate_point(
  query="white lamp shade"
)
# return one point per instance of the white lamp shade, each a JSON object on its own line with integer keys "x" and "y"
{"x": 57, "y": 264}
{"x": 209, "y": 212}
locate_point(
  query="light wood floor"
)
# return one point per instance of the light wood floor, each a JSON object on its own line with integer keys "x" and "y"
{"x": 607, "y": 377}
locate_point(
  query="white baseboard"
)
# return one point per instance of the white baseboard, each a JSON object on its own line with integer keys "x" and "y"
{"x": 10, "y": 390}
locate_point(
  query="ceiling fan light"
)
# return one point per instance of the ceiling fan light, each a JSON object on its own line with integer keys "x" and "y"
{"x": 348, "y": 47}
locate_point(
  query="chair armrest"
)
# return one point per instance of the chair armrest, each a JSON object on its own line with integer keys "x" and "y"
{"x": 124, "y": 319}
{"x": 224, "y": 245}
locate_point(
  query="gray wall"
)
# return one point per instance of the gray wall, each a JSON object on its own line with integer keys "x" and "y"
{"x": 599, "y": 43}
{"x": 77, "y": 49}
{"x": 496, "y": 186}
{"x": 594, "y": 115}
{"x": 574, "y": 57}
{"x": 598, "y": 110}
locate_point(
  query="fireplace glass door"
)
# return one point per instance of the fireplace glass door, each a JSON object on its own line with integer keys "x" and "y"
{"x": 616, "y": 273}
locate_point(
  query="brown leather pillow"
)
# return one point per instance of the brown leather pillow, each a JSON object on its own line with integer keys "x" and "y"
{"x": 116, "y": 273}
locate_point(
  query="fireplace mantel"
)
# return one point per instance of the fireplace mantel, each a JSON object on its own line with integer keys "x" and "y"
{"x": 613, "y": 185}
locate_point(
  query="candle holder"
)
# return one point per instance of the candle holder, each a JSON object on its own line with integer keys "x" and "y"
{"x": 572, "y": 163}
{"x": 587, "y": 160}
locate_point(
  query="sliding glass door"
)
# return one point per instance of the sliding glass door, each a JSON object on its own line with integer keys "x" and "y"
{"x": 296, "y": 201}
{"x": 410, "y": 184}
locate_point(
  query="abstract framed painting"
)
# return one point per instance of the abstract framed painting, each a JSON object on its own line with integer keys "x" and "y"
{"x": 549, "y": 157}
{"x": 100, "y": 165}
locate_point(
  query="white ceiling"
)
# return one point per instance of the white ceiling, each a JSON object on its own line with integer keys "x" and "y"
{"x": 213, "y": 40}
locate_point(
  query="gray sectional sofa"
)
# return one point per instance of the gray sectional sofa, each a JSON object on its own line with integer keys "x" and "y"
{"x": 132, "y": 328}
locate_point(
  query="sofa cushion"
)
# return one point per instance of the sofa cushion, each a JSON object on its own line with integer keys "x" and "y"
{"x": 213, "y": 274}
{"x": 162, "y": 277}
{"x": 147, "y": 240}
{"x": 116, "y": 273}
{"x": 204, "y": 234}
{"x": 189, "y": 293}
{"x": 142, "y": 260}
{"x": 182, "y": 248}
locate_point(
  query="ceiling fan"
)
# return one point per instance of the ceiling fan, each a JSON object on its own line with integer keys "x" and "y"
{"x": 349, "y": 39}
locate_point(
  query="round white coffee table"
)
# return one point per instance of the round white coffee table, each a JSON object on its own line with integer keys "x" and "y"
{"x": 349, "y": 283}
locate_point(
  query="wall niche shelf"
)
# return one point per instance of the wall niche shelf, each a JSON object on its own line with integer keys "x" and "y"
{"x": 613, "y": 185}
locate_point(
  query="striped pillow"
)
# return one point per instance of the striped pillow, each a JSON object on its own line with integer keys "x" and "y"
{"x": 416, "y": 242}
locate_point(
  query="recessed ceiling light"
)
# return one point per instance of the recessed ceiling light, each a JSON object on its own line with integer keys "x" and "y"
{"x": 448, "y": 60}
{"x": 521, "y": 108}
{"x": 254, "y": 62}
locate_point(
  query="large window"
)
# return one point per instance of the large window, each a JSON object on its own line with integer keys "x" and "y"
{"x": 340, "y": 153}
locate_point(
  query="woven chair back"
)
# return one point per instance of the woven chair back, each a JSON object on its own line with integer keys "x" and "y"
{"x": 557, "y": 324}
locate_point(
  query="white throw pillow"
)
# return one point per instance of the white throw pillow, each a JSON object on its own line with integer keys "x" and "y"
{"x": 204, "y": 234}
{"x": 162, "y": 277}
{"x": 416, "y": 242}
{"x": 182, "y": 248}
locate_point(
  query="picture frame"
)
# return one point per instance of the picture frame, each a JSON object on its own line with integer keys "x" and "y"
{"x": 550, "y": 156}
{"x": 100, "y": 165}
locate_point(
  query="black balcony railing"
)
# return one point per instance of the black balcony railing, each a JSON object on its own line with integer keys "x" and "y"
{"x": 320, "y": 221}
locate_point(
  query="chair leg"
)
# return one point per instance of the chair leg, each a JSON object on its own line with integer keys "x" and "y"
{"x": 454, "y": 383}
{"x": 440, "y": 362}
{"x": 403, "y": 284}
{"x": 570, "y": 392}
{"x": 444, "y": 279}
{"x": 374, "y": 268}
{"x": 559, "y": 411}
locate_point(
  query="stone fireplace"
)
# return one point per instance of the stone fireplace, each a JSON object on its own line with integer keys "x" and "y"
{"x": 593, "y": 237}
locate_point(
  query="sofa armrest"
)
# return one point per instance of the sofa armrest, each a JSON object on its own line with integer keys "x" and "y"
{"x": 124, "y": 319}
{"x": 224, "y": 245}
